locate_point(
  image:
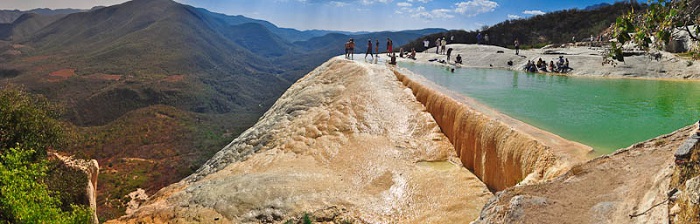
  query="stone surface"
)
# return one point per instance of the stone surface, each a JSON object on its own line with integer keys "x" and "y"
{"x": 347, "y": 142}
{"x": 685, "y": 150}
{"x": 91, "y": 168}
{"x": 607, "y": 189}
{"x": 586, "y": 61}
{"x": 692, "y": 190}
{"x": 137, "y": 197}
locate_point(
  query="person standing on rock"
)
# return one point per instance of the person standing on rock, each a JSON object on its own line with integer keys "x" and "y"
{"x": 369, "y": 49}
{"x": 443, "y": 45}
{"x": 347, "y": 49}
{"x": 376, "y": 49}
{"x": 352, "y": 49}
{"x": 389, "y": 46}
{"x": 437, "y": 46}
{"x": 426, "y": 44}
{"x": 517, "y": 46}
{"x": 449, "y": 51}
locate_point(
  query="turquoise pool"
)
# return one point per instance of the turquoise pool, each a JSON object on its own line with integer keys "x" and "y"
{"x": 603, "y": 113}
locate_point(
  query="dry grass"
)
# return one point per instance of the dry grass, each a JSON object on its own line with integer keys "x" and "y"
{"x": 689, "y": 213}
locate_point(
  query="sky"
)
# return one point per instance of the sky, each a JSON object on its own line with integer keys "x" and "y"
{"x": 356, "y": 15}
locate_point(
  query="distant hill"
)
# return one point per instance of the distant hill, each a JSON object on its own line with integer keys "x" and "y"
{"x": 26, "y": 25}
{"x": 259, "y": 40}
{"x": 16, "y": 24}
{"x": 551, "y": 28}
{"x": 290, "y": 35}
{"x": 150, "y": 40}
{"x": 9, "y": 16}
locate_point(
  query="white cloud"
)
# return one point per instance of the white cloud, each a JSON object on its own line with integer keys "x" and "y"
{"x": 338, "y": 4}
{"x": 422, "y": 13}
{"x": 533, "y": 12}
{"x": 404, "y": 4}
{"x": 475, "y": 7}
{"x": 410, "y": 10}
{"x": 511, "y": 16}
{"x": 369, "y": 2}
{"x": 423, "y": 1}
{"x": 442, "y": 13}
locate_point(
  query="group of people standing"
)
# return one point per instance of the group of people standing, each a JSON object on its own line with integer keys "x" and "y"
{"x": 350, "y": 49}
{"x": 372, "y": 50}
{"x": 440, "y": 45}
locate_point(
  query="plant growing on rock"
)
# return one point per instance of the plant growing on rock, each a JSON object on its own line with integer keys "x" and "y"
{"x": 655, "y": 27}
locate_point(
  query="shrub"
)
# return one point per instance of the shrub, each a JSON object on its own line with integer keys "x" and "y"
{"x": 24, "y": 198}
{"x": 27, "y": 130}
{"x": 27, "y": 120}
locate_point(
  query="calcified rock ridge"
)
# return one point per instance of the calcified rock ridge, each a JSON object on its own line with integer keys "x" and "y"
{"x": 347, "y": 142}
{"x": 628, "y": 186}
{"x": 500, "y": 150}
{"x": 91, "y": 170}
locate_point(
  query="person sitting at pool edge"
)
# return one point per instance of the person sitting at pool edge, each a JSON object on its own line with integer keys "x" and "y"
{"x": 413, "y": 54}
{"x": 458, "y": 60}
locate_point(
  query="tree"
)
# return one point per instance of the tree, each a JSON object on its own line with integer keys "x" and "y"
{"x": 28, "y": 120}
{"x": 655, "y": 27}
{"x": 27, "y": 130}
{"x": 24, "y": 198}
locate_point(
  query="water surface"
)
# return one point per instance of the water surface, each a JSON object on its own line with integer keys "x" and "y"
{"x": 603, "y": 113}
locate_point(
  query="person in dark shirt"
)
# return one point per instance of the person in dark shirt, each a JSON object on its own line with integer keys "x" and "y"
{"x": 369, "y": 49}
{"x": 449, "y": 51}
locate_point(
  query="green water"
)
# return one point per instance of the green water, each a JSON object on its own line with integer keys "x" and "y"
{"x": 605, "y": 114}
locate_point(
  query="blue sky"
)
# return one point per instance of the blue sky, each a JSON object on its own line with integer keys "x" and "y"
{"x": 357, "y": 15}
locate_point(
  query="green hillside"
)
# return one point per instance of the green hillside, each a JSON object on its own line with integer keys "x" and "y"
{"x": 552, "y": 28}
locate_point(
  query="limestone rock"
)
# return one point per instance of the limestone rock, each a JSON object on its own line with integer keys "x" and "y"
{"x": 345, "y": 143}
{"x": 137, "y": 198}
{"x": 607, "y": 189}
{"x": 91, "y": 168}
{"x": 692, "y": 190}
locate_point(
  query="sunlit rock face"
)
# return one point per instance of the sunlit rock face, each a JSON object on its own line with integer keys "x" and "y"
{"x": 348, "y": 142}
{"x": 500, "y": 150}
{"x": 628, "y": 186}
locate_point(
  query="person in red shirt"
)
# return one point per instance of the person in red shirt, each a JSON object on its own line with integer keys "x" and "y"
{"x": 389, "y": 46}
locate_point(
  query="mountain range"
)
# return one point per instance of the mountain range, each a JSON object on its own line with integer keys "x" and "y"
{"x": 153, "y": 88}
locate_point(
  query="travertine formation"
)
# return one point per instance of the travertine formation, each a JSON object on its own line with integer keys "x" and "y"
{"x": 351, "y": 142}
{"x": 628, "y": 186}
{"x": 91, "y": 170}
{"x": 347, "y": 142}
{"x": 500, "y": 150}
